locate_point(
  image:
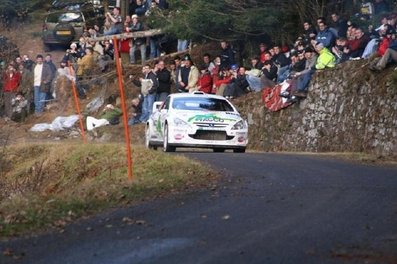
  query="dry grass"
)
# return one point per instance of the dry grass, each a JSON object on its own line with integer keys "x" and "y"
{"x": 52, "y": 184}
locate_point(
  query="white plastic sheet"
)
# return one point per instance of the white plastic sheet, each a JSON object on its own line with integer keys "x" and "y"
{"x": 59, "y": 123}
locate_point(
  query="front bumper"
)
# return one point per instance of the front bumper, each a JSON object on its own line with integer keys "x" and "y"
{"x": 208, "y": 138}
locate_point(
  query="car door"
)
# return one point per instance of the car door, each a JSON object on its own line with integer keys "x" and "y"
{"x": 163, "y": 115}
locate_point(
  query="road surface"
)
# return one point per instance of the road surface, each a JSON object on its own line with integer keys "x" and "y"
{"x": 269, "y": 208}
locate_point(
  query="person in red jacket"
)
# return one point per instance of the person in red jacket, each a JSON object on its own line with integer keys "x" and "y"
{"x": 11, "y": 80}
{"x": 205, "y": 80}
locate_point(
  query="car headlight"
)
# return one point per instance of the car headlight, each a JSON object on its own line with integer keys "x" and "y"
{"x": 180, "y": 123}
{"x": 239, "y": 125}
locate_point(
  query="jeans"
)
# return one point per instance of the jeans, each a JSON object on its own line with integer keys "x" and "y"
{"x": 39, "y": 99}
{"x": 143, "y": 53}
{"x": 112, "y": 31}
{"x": 254, "y": 83}
{"x": 303, "y": 81}
{"x": 161, "y": 96}
{"x": 283, "y": 74}
{"x": 154, "y": 48}
{"x": 134, "y": 120}
{"x": 182, "y": 44}
{"x": 147, "y": 107}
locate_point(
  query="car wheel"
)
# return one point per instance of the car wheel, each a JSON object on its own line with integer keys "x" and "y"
{"x": 219, "y": 150}
{"x": 239, "y": 150}
{"x": 166, "y": 146}
{"x": 147, "y": 138}
{"x": 64, "y": 32}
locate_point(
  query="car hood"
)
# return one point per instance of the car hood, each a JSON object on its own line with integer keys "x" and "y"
{"x": 209, "y": 117}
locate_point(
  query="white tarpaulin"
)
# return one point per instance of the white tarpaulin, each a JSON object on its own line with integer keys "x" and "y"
{"x": 59, "y": 123}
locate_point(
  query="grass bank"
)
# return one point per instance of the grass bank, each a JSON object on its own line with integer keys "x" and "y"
{"x": 50, "y": 185}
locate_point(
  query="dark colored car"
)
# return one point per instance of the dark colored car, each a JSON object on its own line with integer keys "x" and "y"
{"x": 66, "y": 26}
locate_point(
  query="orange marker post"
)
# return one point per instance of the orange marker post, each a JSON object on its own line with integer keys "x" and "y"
{"x": 76, "y": 103}
{"x": 125, "y": 118}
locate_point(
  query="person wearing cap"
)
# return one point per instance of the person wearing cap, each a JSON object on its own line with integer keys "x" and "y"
{"x": 325, "y": 59}
{"x": 188, "y": 75}
{"x": 42, "y": 77}
{"x": 136, "y": 43}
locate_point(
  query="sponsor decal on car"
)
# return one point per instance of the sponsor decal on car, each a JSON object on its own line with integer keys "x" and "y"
{"x": 209, "y": 118}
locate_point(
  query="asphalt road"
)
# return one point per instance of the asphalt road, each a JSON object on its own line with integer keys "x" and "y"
{"x": 270, "y": 208}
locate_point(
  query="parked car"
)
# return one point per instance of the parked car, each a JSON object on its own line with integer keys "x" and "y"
{"x": 66, "y": 26}
{"x": 196, "y": 120}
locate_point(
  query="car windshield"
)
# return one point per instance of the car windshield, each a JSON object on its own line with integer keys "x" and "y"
{"x": 65, "y": 17}
{"x": 202, "y": 103}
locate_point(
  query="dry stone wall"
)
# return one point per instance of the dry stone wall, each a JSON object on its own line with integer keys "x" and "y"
{"x": 348, "y": 109}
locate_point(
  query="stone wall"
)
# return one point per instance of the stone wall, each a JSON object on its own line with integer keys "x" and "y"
{"x": 348, "y": 109}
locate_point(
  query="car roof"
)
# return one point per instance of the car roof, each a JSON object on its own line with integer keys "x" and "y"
{"x": 189, "y": 95}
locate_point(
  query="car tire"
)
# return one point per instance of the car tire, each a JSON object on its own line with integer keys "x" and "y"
{"x": 148, "y": 145}
{"x": 166, "y": 146}
{"x": 239, "y": 150}
{"x": 219, "y": 150}
{"x": 64, "y": 27}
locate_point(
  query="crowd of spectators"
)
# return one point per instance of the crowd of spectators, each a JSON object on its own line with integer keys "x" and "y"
{"x": 29, "y": 85}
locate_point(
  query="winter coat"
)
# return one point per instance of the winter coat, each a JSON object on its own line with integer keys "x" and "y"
{"x": 326, "y": 37}
{"x": 325, "y": 60}
{"x": 11, "y": 82}
{"x": 205, "y": 83}
{"x": 164, "y": 78}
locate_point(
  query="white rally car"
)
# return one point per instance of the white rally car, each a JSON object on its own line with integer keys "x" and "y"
{"x": 196, "y": 120}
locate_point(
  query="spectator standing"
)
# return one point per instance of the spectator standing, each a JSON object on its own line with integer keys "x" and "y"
{"x": 42, "y": 76}
{"x": 48, "y": 61}
{"x": 11, "y": 80}
{"x": 189, "y": 75}
{"x": 27, "y": 62}
{"x": 164, "y": 78}
{"x": 136, "y": 43}
{"x": 149, "y": 84}
{"x": 227, "y": 55}
{"x": 26, "y": 84}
